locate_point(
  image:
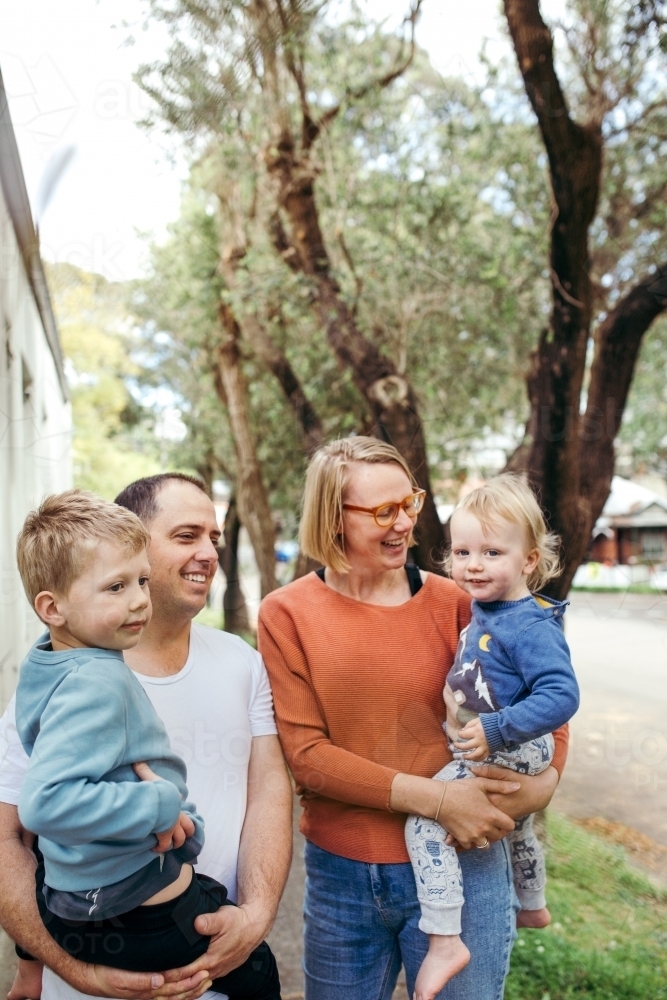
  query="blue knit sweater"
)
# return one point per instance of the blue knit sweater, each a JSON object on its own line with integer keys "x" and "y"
{"x": 513, "y": 670}
{"x": 84, "y": 719}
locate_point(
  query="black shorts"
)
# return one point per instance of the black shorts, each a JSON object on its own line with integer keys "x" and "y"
{"x": 160, "y": 937}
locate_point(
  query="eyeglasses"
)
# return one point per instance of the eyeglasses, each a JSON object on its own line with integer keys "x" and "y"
{"x": 386, "y": 513}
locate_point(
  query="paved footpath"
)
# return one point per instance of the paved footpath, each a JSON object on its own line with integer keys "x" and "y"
{"x": 618, "y": 759}
{"x": 617, "y": 766}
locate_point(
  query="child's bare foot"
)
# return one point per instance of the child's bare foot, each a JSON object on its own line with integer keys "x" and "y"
{"x": 446, "y": 956}
{"x": 533, "y": 918}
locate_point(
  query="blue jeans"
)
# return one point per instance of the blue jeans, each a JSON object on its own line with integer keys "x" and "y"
{"x": 361, "y": 925}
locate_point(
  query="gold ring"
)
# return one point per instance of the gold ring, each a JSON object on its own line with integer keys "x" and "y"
{"x": 483, "y": 847}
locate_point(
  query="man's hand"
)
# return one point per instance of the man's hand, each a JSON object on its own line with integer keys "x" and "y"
{"x": 234, "y": 931}
{"x": 472, "y": 740}
{"x": 264, "y": 860}
{"x": 101, "y": 981}
{"x": 27, "y": 983}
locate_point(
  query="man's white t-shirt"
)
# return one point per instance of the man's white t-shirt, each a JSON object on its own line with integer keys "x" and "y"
{"x": 211, "y": 709}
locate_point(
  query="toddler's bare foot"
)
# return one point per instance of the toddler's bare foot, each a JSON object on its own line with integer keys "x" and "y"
{"x": 446, "y": 956}
{"x": 533, "y": 918}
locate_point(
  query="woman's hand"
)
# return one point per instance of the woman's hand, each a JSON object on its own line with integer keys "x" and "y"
{"x": 465, "y": 811}
{"x": 469, "y": 815}
{"x": 534, "y": 793}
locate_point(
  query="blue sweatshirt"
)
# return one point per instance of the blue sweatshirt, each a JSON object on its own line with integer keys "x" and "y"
{"x": 84, "y": 719}
{"x": 513, "y": 670}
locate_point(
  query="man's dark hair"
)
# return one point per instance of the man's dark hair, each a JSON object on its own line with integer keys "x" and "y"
{"x": 141, "y": 496}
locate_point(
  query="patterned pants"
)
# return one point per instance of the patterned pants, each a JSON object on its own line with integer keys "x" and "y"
{"x": 436, "y": 865}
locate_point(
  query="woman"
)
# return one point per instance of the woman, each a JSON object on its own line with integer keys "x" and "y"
{"x": 357, "y": 655}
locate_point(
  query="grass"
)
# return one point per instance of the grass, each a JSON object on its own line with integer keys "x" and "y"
{"x": 608, "y": 939}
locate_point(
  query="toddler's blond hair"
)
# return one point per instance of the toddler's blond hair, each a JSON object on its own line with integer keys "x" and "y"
{"x": 508, "y": 497}
{"x": 58, "y": 539}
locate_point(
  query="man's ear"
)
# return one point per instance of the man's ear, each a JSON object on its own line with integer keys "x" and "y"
{"x": 46, "y": 607}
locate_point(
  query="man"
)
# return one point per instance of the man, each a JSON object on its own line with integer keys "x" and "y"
{"x": 212, "y": 693}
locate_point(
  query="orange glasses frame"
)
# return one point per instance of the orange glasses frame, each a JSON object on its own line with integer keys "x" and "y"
{"x": 374, "y": 510}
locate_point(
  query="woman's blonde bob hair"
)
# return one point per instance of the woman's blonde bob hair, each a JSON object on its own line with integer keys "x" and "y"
{"x": 509, "y": 498}
{"x": 320, "y": 534}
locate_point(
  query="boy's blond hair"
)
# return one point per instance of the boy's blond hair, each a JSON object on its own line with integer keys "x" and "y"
{"x": 58, "y": 539}
{"x": 509, "y": 498}
{"x": 320, "y": 534}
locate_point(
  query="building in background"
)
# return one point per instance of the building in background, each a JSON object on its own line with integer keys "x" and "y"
{"x": 35, "y": 417}
{"x": 629, "y": 543}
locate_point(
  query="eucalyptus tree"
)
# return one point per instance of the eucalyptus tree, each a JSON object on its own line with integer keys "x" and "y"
{"x": 410, "y": 226}
{"x": 608, "y": 181}
{"x": 226, "y": 55}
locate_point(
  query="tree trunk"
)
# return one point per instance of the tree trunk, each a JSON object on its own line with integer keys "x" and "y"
{"x": 558, "y": 364}
{"x": 304, "y": 565}
{"x": 569, "y": 459}
{"x": 253, "y": 503}
{"x": 617, "y": 345}
{"x": 392, "y": 400}
{"x": 233, "y": 603}
{"x": 275, "y": 360}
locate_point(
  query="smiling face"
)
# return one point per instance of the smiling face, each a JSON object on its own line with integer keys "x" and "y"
{"x": 491, "y": 562}
{"x": 370, "y": 549}
{"x": 108, "y": 605}
{"x": 182, "y": 553}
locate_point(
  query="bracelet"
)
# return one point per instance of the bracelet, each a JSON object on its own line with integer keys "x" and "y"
{"x": 442, "y": 797}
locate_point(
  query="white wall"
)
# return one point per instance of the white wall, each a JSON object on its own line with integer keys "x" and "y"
{"x": 35, "y": 433}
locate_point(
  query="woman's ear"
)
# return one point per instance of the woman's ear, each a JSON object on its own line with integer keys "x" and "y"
{"x": 46, "y": 607}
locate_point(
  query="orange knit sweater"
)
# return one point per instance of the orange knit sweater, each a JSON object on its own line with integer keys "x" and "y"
{"x": 358, "y": 698}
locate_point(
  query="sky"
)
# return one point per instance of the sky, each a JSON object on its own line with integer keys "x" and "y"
{"x": 68, "y": 72}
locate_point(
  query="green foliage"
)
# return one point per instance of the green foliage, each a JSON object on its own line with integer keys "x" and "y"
{"x": 113, "y": 439}
{"x": 435, "y": 205}
{"x": 210, "y": 617}
{"x": 643, "y": 434}
{"x": 177, "y": 307}
{"x": 451, "y": 284}
{"x": 607, "y": 939}
{"x": 447, "y": 284}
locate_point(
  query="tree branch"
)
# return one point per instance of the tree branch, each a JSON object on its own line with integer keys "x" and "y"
{"x": 380, "y": 83}
{"x": 255, "y": 333}
{"x": 533, "y": 45}
{"x": 618, "y": 343}
{"x": 253, "y": 501}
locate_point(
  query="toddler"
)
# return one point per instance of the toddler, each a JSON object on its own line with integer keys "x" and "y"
{"x": 510, "y": 686}
{"x": 104, "y": 792}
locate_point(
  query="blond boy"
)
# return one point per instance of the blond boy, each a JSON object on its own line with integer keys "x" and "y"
{"x": 104, "y": 791}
